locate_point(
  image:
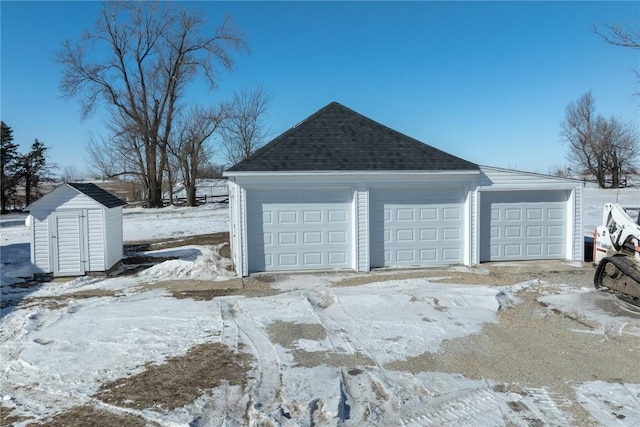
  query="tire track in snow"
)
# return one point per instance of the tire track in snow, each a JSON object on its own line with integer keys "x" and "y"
{"x": 372, "y": 398}
{"x": 358, "y": 389}
{"x": 469, "y": 407}
{"x": 265, "y": 392}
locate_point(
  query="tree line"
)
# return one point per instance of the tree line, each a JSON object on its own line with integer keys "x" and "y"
{"x": 21, "y": 171}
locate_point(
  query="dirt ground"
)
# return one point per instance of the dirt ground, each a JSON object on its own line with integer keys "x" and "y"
{"x": 528, "y": 346}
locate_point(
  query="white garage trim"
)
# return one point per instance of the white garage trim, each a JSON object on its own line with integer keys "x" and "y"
{"x": 524, "y": 225}
{"x": 296, "y": 229}
{"x": 418, "y": 226}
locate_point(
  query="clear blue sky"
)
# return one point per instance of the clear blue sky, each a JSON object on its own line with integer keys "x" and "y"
{"x": 486, "y": 81}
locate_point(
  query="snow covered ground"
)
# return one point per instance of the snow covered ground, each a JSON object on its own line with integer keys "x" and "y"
{"x": 55, "y": 357}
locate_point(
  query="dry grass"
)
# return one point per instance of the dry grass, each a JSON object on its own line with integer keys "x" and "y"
{"x": 180, "y": 380}
{"x": 87, "y": 415}
{"x": 58, "y": 302}
{"x": 177, "y": 382}
{"x": 6, "y": 419}
{"x": 173, "y": 242}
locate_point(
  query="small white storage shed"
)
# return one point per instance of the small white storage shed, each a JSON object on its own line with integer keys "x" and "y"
{"x": 76, "y": 229}
{"x": 341, "y": 191}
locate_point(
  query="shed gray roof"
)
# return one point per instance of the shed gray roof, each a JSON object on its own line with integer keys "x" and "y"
{"x": 336, "y": 138}
{"x": 98, "y": 194}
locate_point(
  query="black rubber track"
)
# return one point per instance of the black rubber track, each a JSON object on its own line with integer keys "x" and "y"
{"x": 628, "y": 283}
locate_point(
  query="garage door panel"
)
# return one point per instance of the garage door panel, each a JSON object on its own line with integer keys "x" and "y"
{"x": 292, "y": 230}
{"x": 429, "y": 255}
{"x": 427, "y": 214}
{"x": 313, "y": 258}
{"x": 312, "y": 216}
{"x": 428, "y": 234}
{"x": 520, "y": 225}
{"x": 452, "y": 255}
{"x": 414, "y": 227}
{"x": 512, "y": 231}
{"x": 556, "y": 214}
{"x": 534, "y": 249}
{"x": 452, "y": 214}
{"x": 534, "y": 231}
{"x": 555, "y": 249}
{"x": 534, "y": 214}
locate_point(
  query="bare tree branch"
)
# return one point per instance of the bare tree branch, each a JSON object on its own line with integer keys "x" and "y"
{"x": 138, "y": 60}
{"x": 245, "y": 130}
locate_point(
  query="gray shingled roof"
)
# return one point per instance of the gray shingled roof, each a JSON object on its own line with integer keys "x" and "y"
{"x": 98, "y": 194}
{"x": 336, "y": 138}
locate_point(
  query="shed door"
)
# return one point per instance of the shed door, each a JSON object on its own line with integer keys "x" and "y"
{"x": 299, "y": 230}
{"x": 67, "y": 243}
{"x": 417, "y": 226}
{"x": 523, "y": 225}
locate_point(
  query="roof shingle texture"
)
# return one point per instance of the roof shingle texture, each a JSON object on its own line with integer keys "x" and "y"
{"x": 336, "y": 138}
{"x": 98, "y": 194}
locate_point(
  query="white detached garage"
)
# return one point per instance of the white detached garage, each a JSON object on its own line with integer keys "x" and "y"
{"x": 341, "y": 191}
{"x": 76, "y": 229}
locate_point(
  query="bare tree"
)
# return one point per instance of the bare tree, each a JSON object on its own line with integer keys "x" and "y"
{"x": 600, "y": 147}
{"x": 245, "y": 130}
{"x": 70, "y": 173}
{"x": 152, "y": 52}
{"x": 618, "y": 35}
{"x": 189, "y": 146}
{"x": 620, "y": 147}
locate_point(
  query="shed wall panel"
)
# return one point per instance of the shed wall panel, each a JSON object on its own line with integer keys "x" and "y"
{"x": 95, "y": 240}
{"x": 113, "y": 238}
{"x": 41, "y": 252}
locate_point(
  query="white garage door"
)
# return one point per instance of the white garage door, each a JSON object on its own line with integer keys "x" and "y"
{"x": 523, "y": 225}
{"x": 299, "y": 230}
{"x": 416, "y": 227}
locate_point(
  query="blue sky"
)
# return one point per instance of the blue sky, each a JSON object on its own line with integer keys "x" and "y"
{"x": 485, "y": 81}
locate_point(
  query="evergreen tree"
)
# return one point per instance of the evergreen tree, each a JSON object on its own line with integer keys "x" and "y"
{"x": 8, "y": 166}
{"x": 33, "y": 169}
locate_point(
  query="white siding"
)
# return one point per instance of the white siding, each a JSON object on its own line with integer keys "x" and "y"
{"x": 95, "y": 240}
{"x": 578, "y": 237}
{"x": 362, "y": 228}
{"x": 473, "y": 227}
{"x": 40, "y": 250}
{"x": 234, "y": 224}
{"x": 112, "y": 230}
